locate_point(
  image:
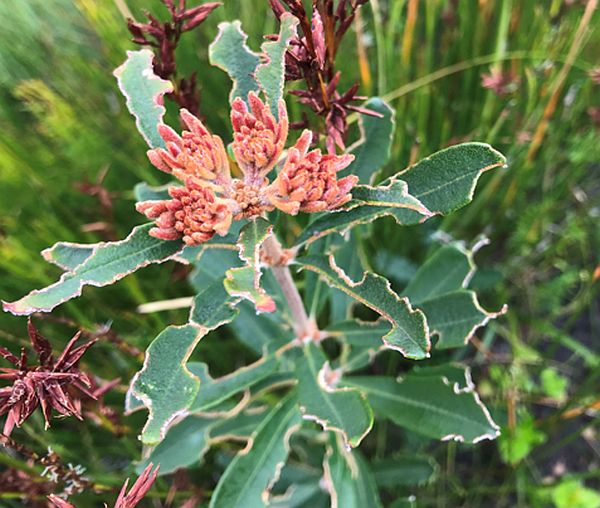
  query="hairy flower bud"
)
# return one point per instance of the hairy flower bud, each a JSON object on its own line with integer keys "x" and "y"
{"x": 196, "y": 153}
{"x": 258, "y": 139}
{"x": 194, "y": 214}
{"x": 308, "y": 180}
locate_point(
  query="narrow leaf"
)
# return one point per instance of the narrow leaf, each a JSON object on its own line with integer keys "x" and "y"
{"x": 453, "y": 313}
{"x": 271, "y": 73}
{"x": 67, "y": 255}
{"x": 409, "y": 333}
{"x": 165, "y": 385}
{"x": 108, "y": 263}
{"x": 144, "y": 92}
{"x": 251, "y": 474}
{"x": 449, "y": 269}
{"x": 230, "y": 53}
{"x": 429, "y": 406}
{"x": 348, "y": 479}
{"x": 368, "y": 204}
{"x": 373, "y": 149}
{"x": 440, "y": 183}
{"x": 184, "y": 445}
{"x": 213, "y": 307}
{"x": 446, "y": 180}
{"x": 392, "y": 472}
{"x": 341, "y": 410}
{"x": 213, "y": 391}
{"x": 244, "y": 282}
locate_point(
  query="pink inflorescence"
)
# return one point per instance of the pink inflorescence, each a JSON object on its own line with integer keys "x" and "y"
{"x": 211, "y": 199}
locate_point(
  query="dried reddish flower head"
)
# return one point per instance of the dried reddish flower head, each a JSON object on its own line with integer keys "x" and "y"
{"x": 258, "y": 139}
{"x": 46, "y": 384}
{"x": 196, "y": 153}
{"x": 126, "y": 499}
{"x": 308, "y": 181}
{"x": 501, "y": 83}
{"x": 194, "y": 214}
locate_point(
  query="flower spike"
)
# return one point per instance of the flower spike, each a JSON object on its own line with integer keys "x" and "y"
{"x": 308, "y": 180}
{"x": 196, "y": 153}
{"x": 258, "y": 139}
{"x": 194, "y": 214}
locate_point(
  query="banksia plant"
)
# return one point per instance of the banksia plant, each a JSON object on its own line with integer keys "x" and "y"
{"x": 268, "y": 220}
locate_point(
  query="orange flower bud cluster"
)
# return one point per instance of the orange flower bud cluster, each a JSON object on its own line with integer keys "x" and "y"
{"x": 210, "y": 199}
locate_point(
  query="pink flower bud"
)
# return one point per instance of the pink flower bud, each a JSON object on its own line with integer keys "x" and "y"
{"x": 308, "y": 180}
{"x": 258, "y": 139}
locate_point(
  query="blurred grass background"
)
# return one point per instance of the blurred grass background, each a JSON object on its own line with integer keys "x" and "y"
{"x": 64, "y": 126}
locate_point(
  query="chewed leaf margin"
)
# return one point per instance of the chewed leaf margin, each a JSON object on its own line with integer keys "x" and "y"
{"x": 143, "y": 91}
{"x": 71, "y": 283}
{"x": 383, "y": 300}
{"x": 271, "y": 73}
{"x": 230, "y": 53}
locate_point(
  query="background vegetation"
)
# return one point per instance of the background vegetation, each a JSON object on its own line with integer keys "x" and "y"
{"x": 70, "y": 155}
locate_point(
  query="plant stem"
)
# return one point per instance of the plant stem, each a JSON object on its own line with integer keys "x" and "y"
{"x": 276, "y": 256}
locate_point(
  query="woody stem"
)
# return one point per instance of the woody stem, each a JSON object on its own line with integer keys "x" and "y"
{"x": 275, "y": 254}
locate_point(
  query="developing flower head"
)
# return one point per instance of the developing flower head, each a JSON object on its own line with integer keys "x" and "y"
{"x": 211, "y": 199}
{"x": 308, "y": 181}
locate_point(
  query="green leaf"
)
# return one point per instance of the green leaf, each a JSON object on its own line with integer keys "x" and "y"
{"x": 244, "y": 282}
{"x": 368, "y": 204}
{"x": 108, "y": 263}
{"x": 373, "y": 148}
{"x": 453, "y": 313}
{"x": 144, "y": 92}
{"x": 230, "y": 53}
{"x": 362, "y": 340}
{"x": 344, "y": 411}
{"x": 67, "y": 255}
{"x": 429, "y": 406}
{"x": 184, "y": 445}
{"x": 213, "y": 391}
{"x": 348, "y": 479}
{"x": 572, "y": 493}
{"x": 517, "y": 443}
{"x": 271, "y": 74}
{"x": 554, "y": 384}
{"x": 455, "y": 317}
{"x": 404, "y": 470}
{"x": 449, "y": 269}
{"x": 439, "y": 184}
{"x": 238, "y": 427}
{"x": 408, "y": 335}
{"x": 165, "y": 385}
{"x": 213, "y": 307}
{"x": 248, "y": 479}
{"x": 360, "y": 333}
{"x": 144, "y": 192}
{"x": 446, "y": 180}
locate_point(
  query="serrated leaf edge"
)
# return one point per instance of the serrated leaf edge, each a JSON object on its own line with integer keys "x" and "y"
{"x": 200, "y": 333}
